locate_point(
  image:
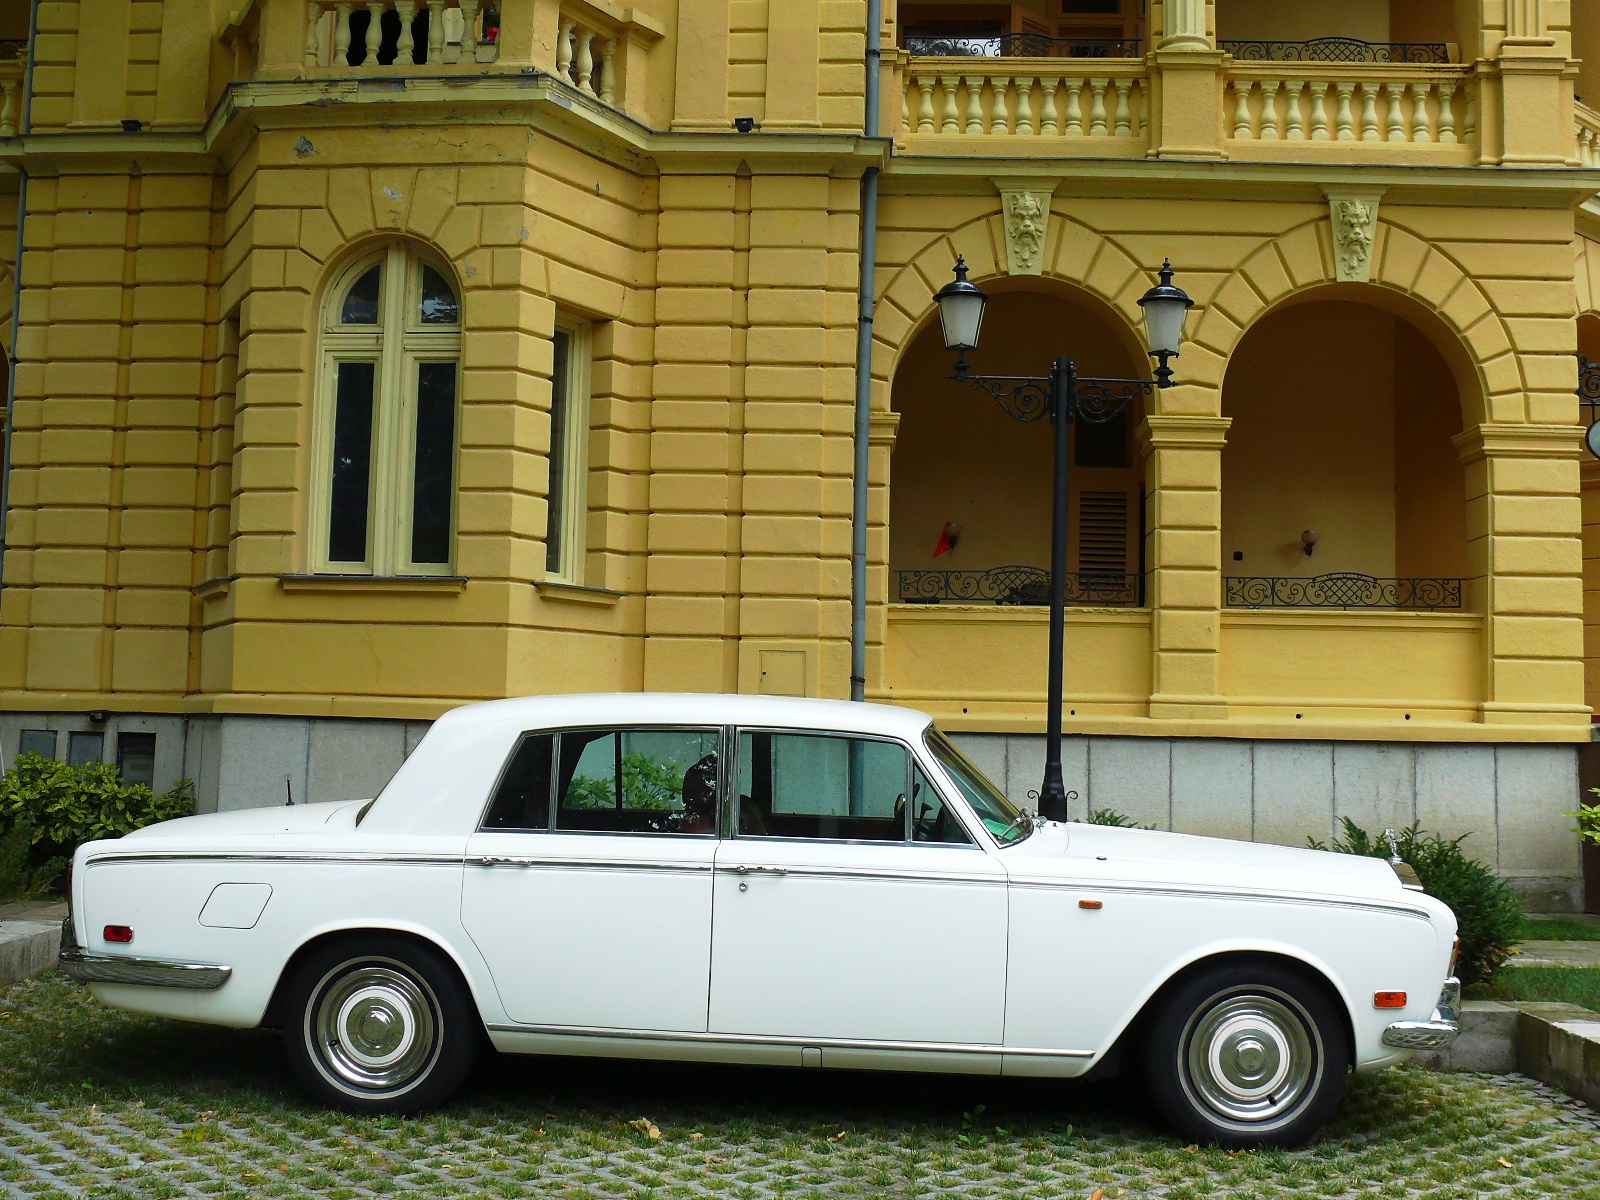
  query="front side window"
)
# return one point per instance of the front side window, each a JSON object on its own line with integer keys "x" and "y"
{"x": 567, "y": 502}
{"x": 802, "y": 785}
{"x": 387, "y": 421}
{"x": 611, "y": 781}
{"x": 1000, "y": 817}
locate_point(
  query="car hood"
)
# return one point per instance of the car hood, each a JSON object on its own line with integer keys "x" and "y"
{"x": 1096, "y": 853}
{"x": 298, "y": 818}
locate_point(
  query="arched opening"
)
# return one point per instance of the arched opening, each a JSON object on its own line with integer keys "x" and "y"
{"x": 1342, "y": 486}
{"x": 970, "y": 490}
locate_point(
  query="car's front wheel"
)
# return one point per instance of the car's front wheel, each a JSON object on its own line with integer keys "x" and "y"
{"x": 1248, "y": 1055}
{"x": 380, "y": 1025}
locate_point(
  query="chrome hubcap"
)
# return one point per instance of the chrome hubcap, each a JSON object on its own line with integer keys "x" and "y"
{"x": 1252, "y": 1058}
{"x": 375, "y": 1025}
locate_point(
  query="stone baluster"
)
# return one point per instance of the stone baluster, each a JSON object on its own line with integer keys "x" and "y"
{"x": 469, "y": 30}
{"x": 374, "y": 33}
{"x": 1241, "y": 108}
{"x": 1420, "y": 131}
{"x": 1294, "y": 124}
{"x": 1074, "y": 108}
{"x": 950, "y": 121}
{"x": 311, "y": 52}
{"x": 1123, "y": 119}
{"x": 1024, "y": 127}
{"x": 924, "y": 85}
{"x": 582, "y": 58}
{"x": 999, "y": 118}
{"x": 1319, "y": 114}
{"x": 563, "y": 47}
{"x": 905, "y": 108}
{"x": 974, "y": 104}
{"x": 8, "y": 108}
{"x": 607, "y": 53}
{"x": 1369, "y": 113}
{"x": 1397, "y": 119}
{"x": 1049, "y": 120}
{"x": 436, "y": 31}
{"x": 1469, "y": 125}
{"x": 1097, "y": 107}
{"x": 407, "y": 11}
{"x": 1343, "y": 119}
{"x": 1447, "y": 110}
{"x": 341, "y": 33}
{"x": 1269, "y": 110}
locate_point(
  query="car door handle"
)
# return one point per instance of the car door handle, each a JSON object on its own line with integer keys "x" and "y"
{"x": 741, "y": 869}
{"x": 490, "y": 860}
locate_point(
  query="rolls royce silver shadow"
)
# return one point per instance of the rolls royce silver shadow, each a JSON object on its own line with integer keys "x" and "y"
{"x": 761, "y": 880}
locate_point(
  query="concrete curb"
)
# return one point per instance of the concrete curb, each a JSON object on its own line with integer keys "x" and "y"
{"x": 27, "y": 948}
{"x": 1558, "y": 1044}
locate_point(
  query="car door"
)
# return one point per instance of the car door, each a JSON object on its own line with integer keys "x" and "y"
{"x": 840, "y": 912}
{"x": 588, "y": 887}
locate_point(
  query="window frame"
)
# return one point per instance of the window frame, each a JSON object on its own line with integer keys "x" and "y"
{"x": 397, "y": 343}
{"x": 914, "y": 762}
{"x": 571, "y": 565}
{"x": 553, "y": 807}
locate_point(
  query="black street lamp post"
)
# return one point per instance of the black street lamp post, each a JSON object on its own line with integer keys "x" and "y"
{"x": 1064, "y": 397}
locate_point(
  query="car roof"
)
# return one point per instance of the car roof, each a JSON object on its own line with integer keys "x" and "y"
{"x": 692, "y": 708}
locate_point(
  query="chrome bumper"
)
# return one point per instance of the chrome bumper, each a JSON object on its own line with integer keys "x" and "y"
{"x": 1437, "y": 1031}
{"x": 79, "y": 965}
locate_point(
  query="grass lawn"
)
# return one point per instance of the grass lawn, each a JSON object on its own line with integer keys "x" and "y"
{"x": 1558, "y": 930}
{"x": 97, "y": 1103}
{"x": 1575, "y": 985}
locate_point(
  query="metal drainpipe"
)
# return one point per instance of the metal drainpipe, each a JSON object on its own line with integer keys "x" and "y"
{"x": 16, "y": 289}
{"x": 869, "y": 262}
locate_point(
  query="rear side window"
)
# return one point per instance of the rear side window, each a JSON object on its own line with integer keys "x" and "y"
{"x": 522, "y": 801}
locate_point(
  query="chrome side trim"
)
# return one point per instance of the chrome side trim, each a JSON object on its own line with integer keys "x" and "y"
{"x": 1204, "y": 893}
{"x": 819, "y": 872}
{"x": 415, "y": 860}
{"x": 1440, "y": 1029}
{"x": 143, "y": 972}
{"x": 576, "y": 864}
{"x": 746, "y": 1039}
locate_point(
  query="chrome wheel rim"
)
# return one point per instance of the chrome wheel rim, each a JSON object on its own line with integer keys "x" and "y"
{"x": 374, "y": 1026}
{"x": 1253, "y": 1058}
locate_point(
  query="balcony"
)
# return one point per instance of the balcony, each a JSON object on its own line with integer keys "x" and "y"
{"x": 13, "y": 62}
{"x": 400, "y": 34}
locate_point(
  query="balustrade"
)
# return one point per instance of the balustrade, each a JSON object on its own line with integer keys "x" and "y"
{"x": 368, "y": 34}
{"x": 1439, "y": 106}
{"x": 10, "y": 97}
{"x": 1587, "y": 133}
{"x": 1022, "y": 98}
{"x": 586, "y": 56}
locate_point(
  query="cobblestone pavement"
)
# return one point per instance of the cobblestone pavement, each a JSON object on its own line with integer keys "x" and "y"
{"x": 95, "y": 1103}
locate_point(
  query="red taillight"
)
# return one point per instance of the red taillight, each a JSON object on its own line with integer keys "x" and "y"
{"x": 1455, "y": 954}
{"x": 122, "y": 934}
{"x": 1388, "y": 999}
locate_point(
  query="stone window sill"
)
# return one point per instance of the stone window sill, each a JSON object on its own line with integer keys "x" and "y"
{"x": 575, "y": 593}
{"x": 432, "y": 585}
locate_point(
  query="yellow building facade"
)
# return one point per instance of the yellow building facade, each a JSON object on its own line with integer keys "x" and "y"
{"x": 365, "y": 359}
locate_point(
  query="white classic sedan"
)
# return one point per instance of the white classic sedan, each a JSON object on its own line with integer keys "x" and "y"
{"x": 760, "y": 880}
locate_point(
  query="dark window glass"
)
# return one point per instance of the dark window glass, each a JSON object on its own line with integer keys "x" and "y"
{"x": 85, "y": 747}
{"x": 931, "y": 820}
{"x": 38, "y": 741}
{"x": 136, "y": 758}
{"x": 361, "y": 301}
{"x": 439, "y": 303}
{"x": 419, "y": 37}
{"x": 638, "y": 781}
{"x": 352, "y": 462}
{"x": 522, "y": 801}
{"x": 812, "y": 786}
{"x": 560, "y": 382}
{"x": 1072, "y": 7}
{"x": 433, "y": 485}
{"x": 1101, "y": 445}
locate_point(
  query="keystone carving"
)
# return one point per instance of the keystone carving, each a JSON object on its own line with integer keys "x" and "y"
{"x": 1027, "y": 221}
{"x": 1355, "y": 223}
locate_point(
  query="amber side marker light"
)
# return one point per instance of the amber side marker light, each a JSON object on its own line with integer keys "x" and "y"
{"x": 122, "y": 934}
{"x": 1388, "y": 999}
{"x": 1090, "y": 904}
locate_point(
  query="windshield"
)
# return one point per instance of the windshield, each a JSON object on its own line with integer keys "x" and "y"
{"x": 999, "y": 816}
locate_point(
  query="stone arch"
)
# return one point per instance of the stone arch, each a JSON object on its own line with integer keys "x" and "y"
{"x": 1410, "y": 278}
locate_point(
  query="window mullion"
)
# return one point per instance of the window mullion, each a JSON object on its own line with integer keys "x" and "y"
{"x": 388, "y": 513}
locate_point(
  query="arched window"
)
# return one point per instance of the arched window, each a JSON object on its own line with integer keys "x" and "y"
{"x": 386, "y": 423}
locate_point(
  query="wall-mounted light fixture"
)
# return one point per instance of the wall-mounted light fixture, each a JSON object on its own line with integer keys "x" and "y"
{"x": 97, "y": 716}
{"x": 744, "y": 124}
{"x": 1309, "y": 539}
{"x": 132, "y": 125}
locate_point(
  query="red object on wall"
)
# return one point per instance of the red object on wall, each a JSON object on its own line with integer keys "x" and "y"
{"x": 948, "y": 537}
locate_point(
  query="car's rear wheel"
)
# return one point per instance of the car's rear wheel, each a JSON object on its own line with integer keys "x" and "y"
{"x": 380, "y": 1025}
{"x": 1248, "y": 1055}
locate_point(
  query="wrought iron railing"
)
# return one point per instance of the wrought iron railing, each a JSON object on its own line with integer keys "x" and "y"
{"x": 1021, "y": 45}
{"x": 1589, "y": 382}
{"x": 1339, "y": 50}
{"x": 1341, "y": 589}
{"x": 1019, "y": 585}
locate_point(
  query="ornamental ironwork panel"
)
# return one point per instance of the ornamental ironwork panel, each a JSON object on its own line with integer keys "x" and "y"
{"x": 1018, "y": 585}
{"x": 1021, "y": 45}
{"x": 1588, "y": 382}
{"x": 1341, "y": 589}
{"x": 1339, "y": 50}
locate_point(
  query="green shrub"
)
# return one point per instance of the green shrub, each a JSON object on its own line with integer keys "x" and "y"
{"x": 49, "y": 808}
{"x": 1487, "y": 911}
{"x": 1588, "y": 818}
{"x": 1110, "y": 816}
